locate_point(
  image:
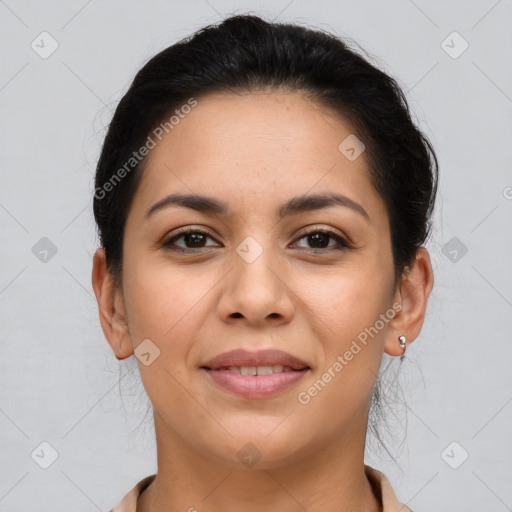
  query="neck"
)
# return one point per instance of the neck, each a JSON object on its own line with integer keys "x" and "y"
{"x": 328, "y": 478}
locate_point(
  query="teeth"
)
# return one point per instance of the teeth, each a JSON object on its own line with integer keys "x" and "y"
{"x": 259, "y": 370}
{"x": 264, "y": 370}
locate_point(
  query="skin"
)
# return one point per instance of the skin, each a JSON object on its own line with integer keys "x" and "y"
{"x": 256, "y": 151}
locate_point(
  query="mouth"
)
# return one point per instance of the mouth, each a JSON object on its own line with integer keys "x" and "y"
{"x": 256, "y": 370}
{"x": 255, "y": 374}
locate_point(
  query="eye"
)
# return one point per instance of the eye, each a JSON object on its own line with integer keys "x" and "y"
{"x": 319, "y": 238}
{"x": 193, "y": 238}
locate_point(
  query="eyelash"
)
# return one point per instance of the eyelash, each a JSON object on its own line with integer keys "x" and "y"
{"x": 343, "y": 243}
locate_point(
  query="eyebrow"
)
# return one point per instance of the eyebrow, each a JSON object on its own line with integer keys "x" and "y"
{"x": 294, "y": 206}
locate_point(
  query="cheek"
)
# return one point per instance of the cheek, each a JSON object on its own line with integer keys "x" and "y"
{"x": 348, "y": 300}
{"x": 347, "y": 307}
{"x": 162, "y": 299}
{"x": 164, "y": 305}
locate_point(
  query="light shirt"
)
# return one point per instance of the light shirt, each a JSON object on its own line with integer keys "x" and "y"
{"x": 379, "y": 481}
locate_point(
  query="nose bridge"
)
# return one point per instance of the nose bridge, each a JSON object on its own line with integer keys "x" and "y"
{"x": 253, "y": 273}
{"x": 255, "y": 289}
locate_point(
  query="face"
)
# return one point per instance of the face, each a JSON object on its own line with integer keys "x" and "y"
{"x": 249, "y": 274}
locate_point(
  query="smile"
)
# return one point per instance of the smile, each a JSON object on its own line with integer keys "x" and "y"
{"x": 257, "y": 370}
{"x": 254, "y": 382}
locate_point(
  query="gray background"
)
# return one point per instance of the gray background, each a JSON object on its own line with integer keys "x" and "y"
{"x": 59, "y": 381}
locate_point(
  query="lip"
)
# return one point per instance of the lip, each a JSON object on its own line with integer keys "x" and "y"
{"x": 241, "y": 357}
{"x": 255, "y": 386}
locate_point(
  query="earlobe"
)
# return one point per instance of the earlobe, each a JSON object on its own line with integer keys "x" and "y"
{"x": 111, "y": 308}
{"x": 412, "y": 294}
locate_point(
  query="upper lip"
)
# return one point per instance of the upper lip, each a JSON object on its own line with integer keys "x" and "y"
{"x": 241, "y": 357}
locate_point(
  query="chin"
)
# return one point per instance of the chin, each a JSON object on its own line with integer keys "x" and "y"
{"x": 264, "y": 446}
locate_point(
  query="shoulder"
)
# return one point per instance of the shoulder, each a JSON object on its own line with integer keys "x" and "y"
{"x": 129, "y": 501}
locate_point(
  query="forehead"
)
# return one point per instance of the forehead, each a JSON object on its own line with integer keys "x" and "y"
{"x": 286, "y": 125}
{"x": 261, "y": 147}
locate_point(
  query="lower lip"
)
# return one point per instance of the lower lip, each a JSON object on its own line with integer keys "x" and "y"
{"x": 255, "y": 386}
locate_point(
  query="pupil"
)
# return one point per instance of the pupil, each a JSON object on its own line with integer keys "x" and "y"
{"x": 194, "y": 237}
{"x": 318, "y": 238}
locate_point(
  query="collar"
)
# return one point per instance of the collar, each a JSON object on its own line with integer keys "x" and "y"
{"x": 380, "y": 484}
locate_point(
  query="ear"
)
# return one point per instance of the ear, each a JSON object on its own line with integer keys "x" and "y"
{"x": 111, "y": 307}
{"x": 412, "y": 293}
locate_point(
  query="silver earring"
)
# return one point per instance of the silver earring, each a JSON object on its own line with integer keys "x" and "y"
{"x": 403, "y": 345}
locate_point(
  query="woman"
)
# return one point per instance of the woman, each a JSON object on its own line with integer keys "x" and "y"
{"x": 262, "y": 198}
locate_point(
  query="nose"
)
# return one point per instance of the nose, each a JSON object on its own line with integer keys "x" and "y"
{"x": 255, "y": 292}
